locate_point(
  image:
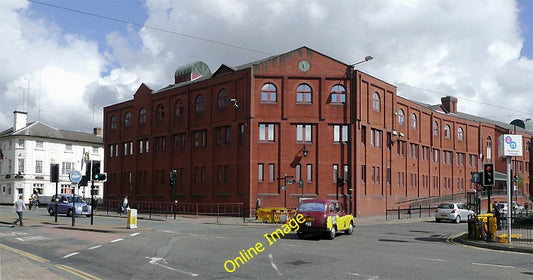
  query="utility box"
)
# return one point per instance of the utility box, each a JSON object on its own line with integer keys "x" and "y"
{"x": 132, "y": 218}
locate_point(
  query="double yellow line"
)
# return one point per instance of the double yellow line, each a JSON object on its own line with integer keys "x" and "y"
{"x": 71, "y": 270}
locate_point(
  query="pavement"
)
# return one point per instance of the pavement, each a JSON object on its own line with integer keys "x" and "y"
{"x": 16, "y": 264}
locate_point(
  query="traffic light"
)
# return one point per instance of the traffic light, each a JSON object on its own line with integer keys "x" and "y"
{"x": 100, "y": 176}
{"x": 95, "y": 170}
{"x": 88, "y": 170}
{"x": 488, "y": 174}
{"x": 173, "y": 178}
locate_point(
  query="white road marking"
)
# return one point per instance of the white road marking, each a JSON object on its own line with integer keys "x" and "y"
{"x": 70, "y": 255}
{"x": 135, "y": 234}
{"x": 94, "y": 247}
{"x": 362, "y": 275}
{"x": 274, "y": 265}
{"x": 428, "y": 259}
{"x": 494, "y": 265}
{"x": 116, "y": 240}
{"x": 32, "y": 238}
{"x": 162, "y": 263}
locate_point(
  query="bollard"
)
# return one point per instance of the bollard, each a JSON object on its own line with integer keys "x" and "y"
{"x": 132, "y": 218}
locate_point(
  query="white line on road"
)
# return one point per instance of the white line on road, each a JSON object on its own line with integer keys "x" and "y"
{"x": 134, "y": 234}
{"x": 70, "y": 255}
{"x": 494, "y": 265}
{"x": 116, "y": 240}
{"x": 94, "y": 247}
{"x": 274, "y": 265}
{"x": 427, "y": 259}
{"x": 158, "y": 261}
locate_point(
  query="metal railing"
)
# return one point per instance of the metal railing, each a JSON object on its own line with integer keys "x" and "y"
{"x": 410, "y": 212}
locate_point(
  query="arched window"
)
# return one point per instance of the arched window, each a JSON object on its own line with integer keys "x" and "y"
{"x": 142, "y": 116}
{"x": 160, "y": 112}
{"x": 435, "y": 129}
{"x": 376, "y": 102}
{"x": 268, "y": 93}
{"x": 460, "y": 134}
{"x": 447, "y": 131}
{"x": 127, "y": 119}
{"x": 223, "y": 100}
{"x": 338, "y": 94}
{"x": 304, "y": 94}
{"x": 113, "y": 122}
{"x": 199, "y": 104}
{"x": 413, "y": 121}
{"x": 178, "y": 110}
{"x": 401, "y": 117}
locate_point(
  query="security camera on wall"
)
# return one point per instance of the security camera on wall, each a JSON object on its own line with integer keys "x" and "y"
{"x": 401, "y": 134}
{"x": 394, "y": 132}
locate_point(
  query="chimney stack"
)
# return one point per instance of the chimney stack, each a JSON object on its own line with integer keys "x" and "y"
{"x": 20, "y": 120}
{"x": 97, "y": 131}
{"x": 450, "y": 104}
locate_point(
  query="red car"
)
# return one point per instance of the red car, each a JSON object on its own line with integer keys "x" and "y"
{"x": 324, "y": 216}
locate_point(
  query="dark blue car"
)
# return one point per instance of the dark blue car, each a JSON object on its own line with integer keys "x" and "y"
{"x": 64, "y": 205}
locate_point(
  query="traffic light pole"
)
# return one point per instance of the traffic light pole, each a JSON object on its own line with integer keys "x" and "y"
{"x": 92, "y": 201}
{"x": 509, "y": 199}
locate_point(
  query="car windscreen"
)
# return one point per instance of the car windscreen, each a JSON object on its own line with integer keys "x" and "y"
{"x": 446, "y": 206}
{"x": 312, "y": 207}
{"x": 77, "y": 199}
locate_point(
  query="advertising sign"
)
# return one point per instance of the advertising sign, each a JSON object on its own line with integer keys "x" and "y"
{"x": 510, "y": 145}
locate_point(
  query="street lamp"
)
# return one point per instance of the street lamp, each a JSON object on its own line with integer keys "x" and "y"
{"x": 305, "y": 151}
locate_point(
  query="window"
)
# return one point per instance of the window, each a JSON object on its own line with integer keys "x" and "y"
{"x": 401, "y": 117}
{"x": 447, "y": 131}
{"x": 375, "y": 138}
{"x": 303, "y": 133}
{"x": 228, "y": 135}
{"x": 21, "y": 143}
{"x": 38, "y": 166}
{"x": 142, "y": 116}
{"x": 20, "y": 165}
{"x": 304, "y": 94}
{"x": 241, "y": 133}
{"x": 271, "y": 174}
{"x": 68, "y": 147}
{"x": 39, "y": 144}
{"x": 222, "y": 98}
{"x": 435, "y": 129}
{"x": 298, "y": 171}
{"x": 200, "y": 139}
{"x": 460, "y": 134}
{"x": 199, "y": 104}
{"x": 178, "y": 110}
{"x": 127, "y": 119}
{"x": 338, "y": 94}
{"x": 340, "y": 133}
{"x": 376, "y": 102}
{"x": 414, "y": 151}
{"x": 160, "y": 112}
{"x": 113, "y": 123}
{"x": 413, "y": 121}
{"x": 218, "y": 136}
{"x": 309, "y": 173}
{"x": 260, "y": 173}
{"x": 268, "y": 93}
{"x": 67, "y": 167}
{"x": 141, "y": 147}
{"x": 266, "y": 132}
{"x": 363, "y": 174}
{"x": 335, "y": 172}
{"x": 436, "y": 155}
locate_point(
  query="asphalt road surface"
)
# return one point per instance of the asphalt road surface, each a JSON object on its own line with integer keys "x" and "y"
{"x": 186, "y": 249}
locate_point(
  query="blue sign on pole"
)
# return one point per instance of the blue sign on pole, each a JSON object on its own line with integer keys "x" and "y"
{"x": 75, "y": 176}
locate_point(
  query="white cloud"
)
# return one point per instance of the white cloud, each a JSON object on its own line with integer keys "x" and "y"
{"x": 468, "y": 49}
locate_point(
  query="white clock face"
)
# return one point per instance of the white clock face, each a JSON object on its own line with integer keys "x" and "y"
{"x": 303, "y": 65}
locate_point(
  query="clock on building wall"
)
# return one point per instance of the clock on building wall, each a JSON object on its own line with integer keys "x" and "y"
{"x": 303, "y": 65}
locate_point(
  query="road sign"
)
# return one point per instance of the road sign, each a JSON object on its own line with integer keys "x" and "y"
{"x": 75, "y": 176}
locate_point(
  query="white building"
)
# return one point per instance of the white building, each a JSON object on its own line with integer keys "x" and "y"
{"x": 28, "y": 149}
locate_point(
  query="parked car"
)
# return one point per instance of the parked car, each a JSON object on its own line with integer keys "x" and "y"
{"x": 517, "y": 209}
{"x": 324, "y": 216}
{"x": 64, "y": 205}
{"x": 453, "y": 212}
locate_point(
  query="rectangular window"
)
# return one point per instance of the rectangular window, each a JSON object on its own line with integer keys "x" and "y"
{"x": 363, "y": 135}
{"x": 67, "y": 167}
{"x": 266, "y": 132}
{"x": 435, "y": 155}
{"x": 375, "y": 138}
{"x": 335, "y": 172}
{"x": 111, "y": 150}
{"x": 303, "y": 133}
{"x": 340, "y": 133}
{"x": 271, "y": 174}
{"x": 68, "y": 147}
{"x": 345, "y": 173}
{"x": 241, "y": 133}
{"x": 141, "y": 146}
{"x": 131, "y": 147}
{"x": 298, "y": 172}
{"x": 125, "y": 148}
{"x": 228, "y": 135}
{"x": 260, "y": 173}
{"x": 20, "y": 165}
{"x": 38, "y": 166}
{"x": 218, "y": 136}
{"x": 309, "y": 173}
{"x": 363, "y": 174}
{"x": 226, "y": 174}
{"x": 147, "y": 145}
{"x": 39, "y": 144}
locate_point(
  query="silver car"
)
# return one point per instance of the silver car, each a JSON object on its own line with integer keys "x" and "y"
{"x": 452, "y": 211}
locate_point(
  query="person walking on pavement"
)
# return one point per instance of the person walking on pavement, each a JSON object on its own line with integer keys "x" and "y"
{"x": 19, "y": 207}
{"x": 125, "y": 205}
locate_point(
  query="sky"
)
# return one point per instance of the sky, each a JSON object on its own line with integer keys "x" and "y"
{"x": 65, "y": 60}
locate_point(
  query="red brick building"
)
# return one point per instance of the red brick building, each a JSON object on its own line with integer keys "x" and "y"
{"x": 241, "y": 133}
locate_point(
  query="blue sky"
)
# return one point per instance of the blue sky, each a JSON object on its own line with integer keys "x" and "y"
{"x": 82, "y": 52}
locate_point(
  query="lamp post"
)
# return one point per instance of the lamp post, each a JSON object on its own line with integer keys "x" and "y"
{"x": 353, "y": 118}
{"x": 514, "y": 172}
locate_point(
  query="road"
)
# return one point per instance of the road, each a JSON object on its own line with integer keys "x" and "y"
{"x": 185, "y": 249}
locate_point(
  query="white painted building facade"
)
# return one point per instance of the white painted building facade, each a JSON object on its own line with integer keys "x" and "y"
{"x": 28, "y": 149}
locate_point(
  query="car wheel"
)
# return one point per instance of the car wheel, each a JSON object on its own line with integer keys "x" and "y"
{"x": 332, "y": 233}
{"x": 300, "y": 235}
{"x": 87, "y": 215}
{"x": 51, "y": 211}
{"x": 350, "y": 229}
{"x": 69, "y": 212}
{"x": 457, "y": 219}
{"x": 438, "y": 220}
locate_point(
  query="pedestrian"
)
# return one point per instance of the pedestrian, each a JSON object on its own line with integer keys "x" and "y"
{"x": 19, "y": 207}
{"x": 257, "y": 206}
{"x": 125, "y": 205}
